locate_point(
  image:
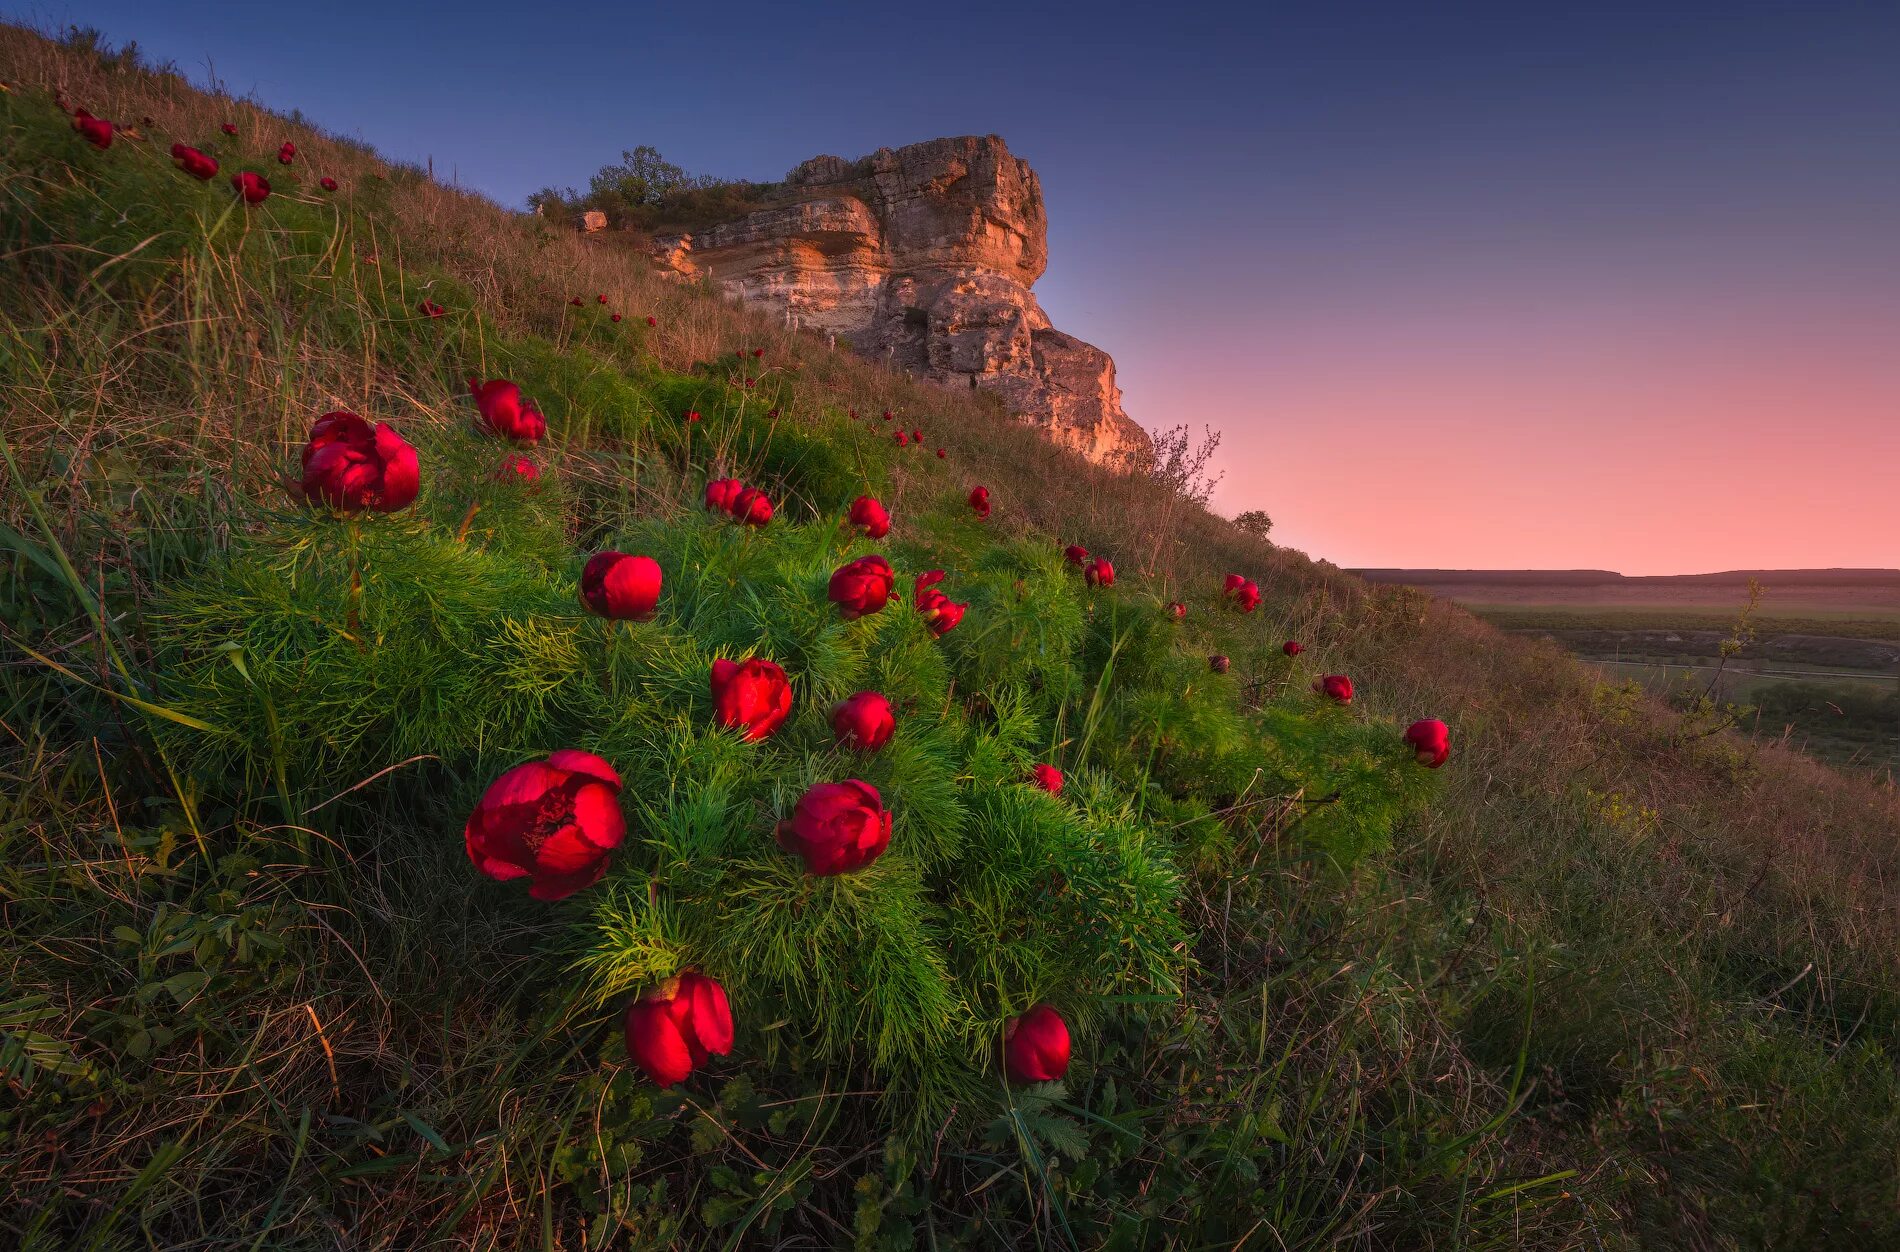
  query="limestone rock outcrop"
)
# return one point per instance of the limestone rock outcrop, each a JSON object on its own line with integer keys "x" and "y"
{"x": 922, "y": 257}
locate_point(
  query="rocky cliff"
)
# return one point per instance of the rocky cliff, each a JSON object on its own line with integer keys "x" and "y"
{"x": 922, "y": 257}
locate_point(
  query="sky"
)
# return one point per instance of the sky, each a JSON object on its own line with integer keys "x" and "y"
{"x": 1513, "y": 285}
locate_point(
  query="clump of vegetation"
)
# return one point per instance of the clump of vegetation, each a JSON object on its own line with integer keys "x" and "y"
{"x": 1593, "y": 981}
{"x": 644, "y": 191}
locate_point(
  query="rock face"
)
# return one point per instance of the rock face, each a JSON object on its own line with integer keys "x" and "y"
{"x": 923, "y": 257}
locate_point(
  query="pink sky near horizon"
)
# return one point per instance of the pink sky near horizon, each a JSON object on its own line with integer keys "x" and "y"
{"x": 1649, "y": 445}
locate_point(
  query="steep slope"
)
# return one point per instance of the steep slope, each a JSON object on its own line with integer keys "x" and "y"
{"x": 1626, "y": 979}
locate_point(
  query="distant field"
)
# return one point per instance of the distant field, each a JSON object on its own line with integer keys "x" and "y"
{"x": 1850, "y": 622}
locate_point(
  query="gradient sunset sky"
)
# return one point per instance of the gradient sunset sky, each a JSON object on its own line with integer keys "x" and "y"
{"x": 1512, "y": 285}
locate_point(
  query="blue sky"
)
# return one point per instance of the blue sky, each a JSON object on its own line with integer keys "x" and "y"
{"x": 1566, "y": 277}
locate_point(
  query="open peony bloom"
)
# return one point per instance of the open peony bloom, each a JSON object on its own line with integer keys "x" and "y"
{"x": 350, "y": 464}
{"x": 327, "y": 183}
{"x": 901, "y": 438}
{"x": 1036, "y": 1046}
{"x": 753, "y": 507}
{"x": 287, "y": 154}
{"x": 1430, "y": 741}
{"x": 1077, "y": 554}
{"x": 619, "y": 587}
{"x": 752, "y": 696}
{"x": 229, "y": 128}
{"x": 864, "y": 721}
{"x": 917, "y": 437}
{"x": 1048, "y": 777}
{"x": 862, "y": 587}
{"x": 1099, "y": 573}
{"x": 194, "y": 162}
{"x": 870, "y": 517}
{"x": 1177, "y": 610}
{"x": 1334, "y": 687}
{"x": 936, "y": 608}
{"x": 980, "y": 501}
{"x": 429, "y": 308}
{"x": 1292, "y": 647}
{"x": 837, "y": 828}
{"x": 1218, "y": 663}
{"x": 672, "y": 1029}
{"x": 518, "y": 469}
{"x": 96, "y": 130}
{"x": 1243, "y": 591}
{"x": 255, "y": 188}
{"x": 552, "y": 821}
{"x": 722, "y": 492}
{"x": 506, "y": 412}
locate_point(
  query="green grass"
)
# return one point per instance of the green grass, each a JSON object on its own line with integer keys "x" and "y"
{"x": 1614, "y": 977}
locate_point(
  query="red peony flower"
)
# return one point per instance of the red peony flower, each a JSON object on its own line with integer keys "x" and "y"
{"x": 936, "y": 608}
{"x": 1335, "y": 687}
{"x": 506, "y": 412}
{"x": 1036, "y": 1046}
{"x": 722, "y": 492}
{"x": 870, "y": 517}
{"x": 255, "y": 188}
{"x": 602, "y": 297}
{"x": 1244, "y": 592}
{"x": 753, "y": 507}
{"x": 350, "y": 464}
{"x": 194, "y": 162}
{"x": 888, "y": 415}
{"x": 96, "y": 130}
{"x": 753, "y": 696}
{"x": 672, "y": 1029}
{"x": 327, "y": 183}
{"x": 619, "y": 587}
{"x": 229, "y": 128}
{"x": 552, "y": 821}
{"x": 758, "y": 352}
{"x": 1048, "y": 777}
{"x": 518, "y": 468}
{"x": 692, "y": 415}
{"x": 837, "y": 827}
{"x": 576, "y": 302}
{"x": 980, "y": 501}
{"x": 1430, "y": 741}
{"x": 1177, "y": 610}
{"x": 1099, "y": 573}
{"x": 1077, "y": 554}
{"x": 1218, "y": 663}
{"x": 917, "y": 437}
{"x": 862, "y": 586}
{"x": 1292, "y": 647}
{"x": 431, "y": 308}
{"x": 864, "y": 721}
{"x": 287, "y": 154}
{"x": 941, "y": 454}
{"x": 900, "y": 438}
{"x": 653, "y": 321}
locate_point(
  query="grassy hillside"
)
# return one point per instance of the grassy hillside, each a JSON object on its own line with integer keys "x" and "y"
{"x": 1611, "y": 977}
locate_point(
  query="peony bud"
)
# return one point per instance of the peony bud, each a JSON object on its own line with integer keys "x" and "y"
{"x": 1292, "y": 647}
{"x": 1036, "y": 1046}
{"x": 864, "y": 721}
{"x": 619, "y": 587}
{"x": 753, "y": 696}
{"x": 1099, "y": 573}
{"x": 1077, "y": 554}
{"x": 862, "y": 586}
{"x": 1430, "y": 741}
{"x": 837, "y": 828}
